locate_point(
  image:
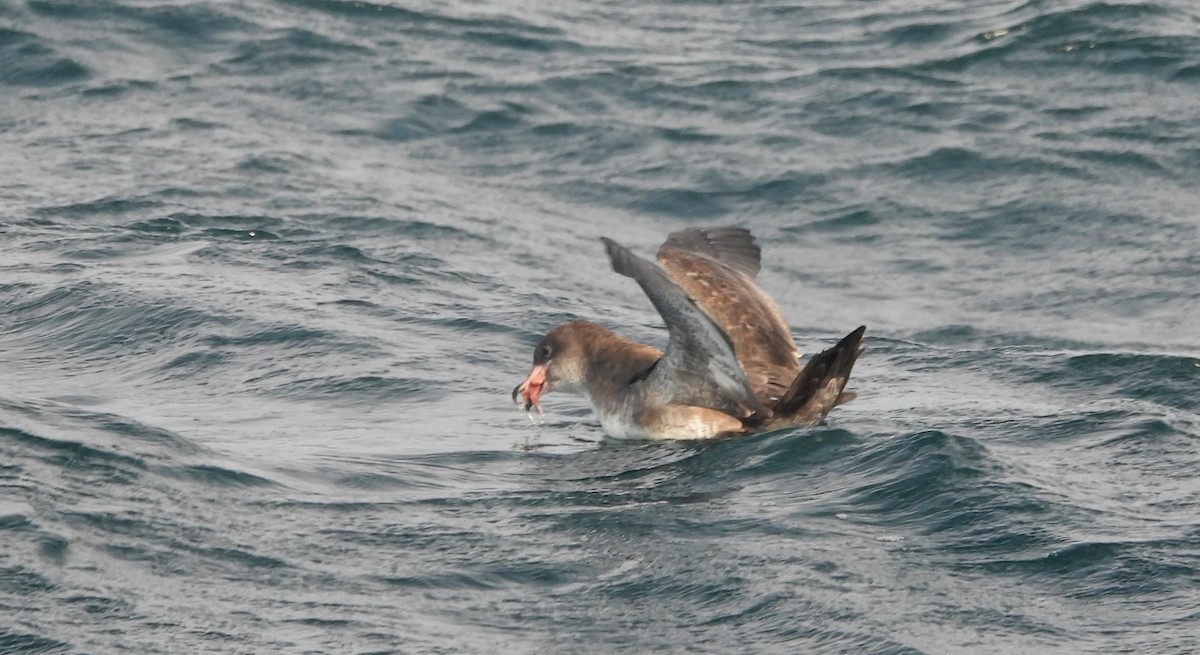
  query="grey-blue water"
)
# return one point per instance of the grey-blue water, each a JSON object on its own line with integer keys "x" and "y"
{"x": 269, "y": 270}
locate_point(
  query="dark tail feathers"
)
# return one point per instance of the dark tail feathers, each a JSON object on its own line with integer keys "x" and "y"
{"x": 819, "y": 386}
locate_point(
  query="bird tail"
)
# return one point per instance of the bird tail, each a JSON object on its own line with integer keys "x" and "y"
{"x": 819, "y": 387}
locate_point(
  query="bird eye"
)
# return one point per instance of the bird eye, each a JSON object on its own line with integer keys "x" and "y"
{"x": 544, "y": 352}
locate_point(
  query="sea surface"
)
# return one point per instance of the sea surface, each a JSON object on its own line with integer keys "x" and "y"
{"x": 270, "y": 269}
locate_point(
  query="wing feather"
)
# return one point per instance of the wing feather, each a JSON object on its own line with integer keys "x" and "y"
{"x": 732, "y": 246}
{"x": 715, "y": 267}
{"x": 699, "y": 366}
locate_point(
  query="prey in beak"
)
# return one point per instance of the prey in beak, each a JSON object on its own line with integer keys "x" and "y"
{"x": 527, "y": 394}
{"x": 546, "y": 375}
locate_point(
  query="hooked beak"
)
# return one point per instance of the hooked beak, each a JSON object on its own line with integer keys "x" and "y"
{"x": 531, "y": 389}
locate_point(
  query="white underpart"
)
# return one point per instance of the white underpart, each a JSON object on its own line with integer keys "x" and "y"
{"x": 622, "y": 426}
{"x": 617, "y": 423}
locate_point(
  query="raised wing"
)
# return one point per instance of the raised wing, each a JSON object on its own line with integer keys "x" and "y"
{"x": 699, "y": 366}
{"x": 716, "y": 267}
{"x": 732, "y": 246}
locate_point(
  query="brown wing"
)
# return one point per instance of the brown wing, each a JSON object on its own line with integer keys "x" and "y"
{"x": 716, "y": 268}
{"x": 732, "y": 246}
{"x": 699, "y": 366}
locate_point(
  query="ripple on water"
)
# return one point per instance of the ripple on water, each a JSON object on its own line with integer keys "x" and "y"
{"x": 12, "y": 641}
{"x": 1165, "y": 379}
{"x": 1095, "y": 569}
{"x": 292, "y": 49}
{"x": 27, "y": 60}
{"x": 78, "y": 460}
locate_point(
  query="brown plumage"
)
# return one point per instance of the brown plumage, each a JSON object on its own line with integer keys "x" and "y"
{"x": 730, "y": 366}
{"x": 716, "y": 269}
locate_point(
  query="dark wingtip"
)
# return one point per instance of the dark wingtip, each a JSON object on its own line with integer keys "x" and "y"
{"x": 619, "y": 256}
{"x": 735, "y": 247}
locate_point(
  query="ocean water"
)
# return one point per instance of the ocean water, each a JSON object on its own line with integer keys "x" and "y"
{"x": 269, "y": 270}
